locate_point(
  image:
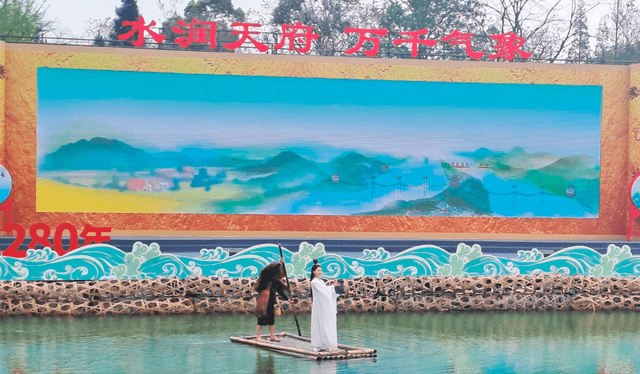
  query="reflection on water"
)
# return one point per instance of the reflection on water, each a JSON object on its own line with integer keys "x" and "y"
{"x": 324, "y": 367}
{"x": 566, "y": 342}
{"x": 265, "y": 363}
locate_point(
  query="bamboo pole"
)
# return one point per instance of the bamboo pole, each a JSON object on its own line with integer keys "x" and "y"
{"x": 293, "y": 310}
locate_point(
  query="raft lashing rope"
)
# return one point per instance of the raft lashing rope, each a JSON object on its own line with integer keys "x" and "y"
{"x": 210, "y": 295}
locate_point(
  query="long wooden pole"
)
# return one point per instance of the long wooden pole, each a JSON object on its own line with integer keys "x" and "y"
{"x": 293, "y": 310}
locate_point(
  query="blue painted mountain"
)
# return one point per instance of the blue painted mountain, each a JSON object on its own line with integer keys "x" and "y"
{"x": 98, "y": 154}
{"x": 553, "y": 173}
{"x": 470, "y": 198}
{"x": 287, "y": 170}
{"x": 111, "y": 154}
{"x": 573, "y": 167}
{"x": 291, "y": 176}
{"x": 518, "y": 161}
{"x": 354, "y": 168}
{"x": 289, "y": 183}
{"x": 284, "y": 160}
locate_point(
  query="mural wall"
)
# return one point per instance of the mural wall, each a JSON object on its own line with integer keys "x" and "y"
{"x": 246, "y": 145}
{"x": 276, "y": 145}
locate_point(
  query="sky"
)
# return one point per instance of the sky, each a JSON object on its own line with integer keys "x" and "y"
{"x": 398, "y": 118}
{"x": 71, "y": 16}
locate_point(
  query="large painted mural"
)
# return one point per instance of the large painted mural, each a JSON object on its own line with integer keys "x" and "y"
{"x": 143, "y": 142}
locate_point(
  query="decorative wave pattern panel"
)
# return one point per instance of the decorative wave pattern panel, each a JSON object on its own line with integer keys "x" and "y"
{"x": 103, "y": 262}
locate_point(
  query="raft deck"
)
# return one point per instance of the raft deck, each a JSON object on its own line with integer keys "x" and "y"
{"x": 300, "y": 346}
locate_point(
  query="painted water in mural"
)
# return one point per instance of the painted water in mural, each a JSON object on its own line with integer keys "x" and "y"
{"x": 103, "y": 261}
{"x": 635, "y": 192}
{"x": 222, "y": 144}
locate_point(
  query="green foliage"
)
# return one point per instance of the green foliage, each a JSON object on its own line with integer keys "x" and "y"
{"x": 128, "y": 11}
{"x": 99, "y": 40}
{"x": 284, "y": 11}
{"x": 329, "y": 17}
{"x": 221, "y": 12}
{"x": 441, "y": 17}
{"x": 21, "y": 20}
{"x": 212, "y": 10}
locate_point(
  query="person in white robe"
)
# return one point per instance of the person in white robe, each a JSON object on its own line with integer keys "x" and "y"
{"x": 324, "y": 327}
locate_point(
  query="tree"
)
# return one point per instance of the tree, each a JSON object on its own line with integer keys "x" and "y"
{"x": 99, "y": 31}
{"x": 128, "y": 11}
{"x": 579, "y": 45}
{"x": 329, "y": 18}
{"x": 221, "y": 12}
{"x": 602, "y": 41}
{"x": 618, "y": 33}
{"x": 22, "y": 20}
{"x": 546, "y": 31}
{"x": 440, "y": 17}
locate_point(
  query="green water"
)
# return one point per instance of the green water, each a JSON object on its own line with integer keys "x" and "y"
{"x": 407, "y": 343}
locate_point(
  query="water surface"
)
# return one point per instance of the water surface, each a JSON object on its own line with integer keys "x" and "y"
{"x": 560, "y": 342}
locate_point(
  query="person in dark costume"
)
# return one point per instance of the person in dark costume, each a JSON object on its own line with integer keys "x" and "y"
{"x": 269, "y": 279}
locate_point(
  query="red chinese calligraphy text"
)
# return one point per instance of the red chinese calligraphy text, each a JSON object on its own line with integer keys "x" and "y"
{"x": 141, "y": 28}
{"x": 245, "y": 35}
{"x": 415, "y": 40}
{"x": 457, "y": 37}
{"x": 363, "y": 38}
{"x": 291, "y": 34}
{"x": 195, "y": 34}
{"x": 92, "y": 234}
{"x": 508, "y": 45}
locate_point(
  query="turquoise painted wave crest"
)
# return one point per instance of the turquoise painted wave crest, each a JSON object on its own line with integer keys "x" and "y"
{"x": 104, "y": 262}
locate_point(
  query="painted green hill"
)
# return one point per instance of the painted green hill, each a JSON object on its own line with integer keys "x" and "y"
{"x": 355, "y": 168}
{"x": 287, "y": 170}
{"x": 554, "y": 174}
{"x": 471, "y": 198}
{"x": 573, "y": 167}
{"x": 98, "y": 154}
{"x": 516, "y": 161}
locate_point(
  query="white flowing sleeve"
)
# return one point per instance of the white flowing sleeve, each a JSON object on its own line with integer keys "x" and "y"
{"x": 324, "y": 329}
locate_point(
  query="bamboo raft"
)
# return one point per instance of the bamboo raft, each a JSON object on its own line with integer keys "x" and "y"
{"x": 300, "y": 346}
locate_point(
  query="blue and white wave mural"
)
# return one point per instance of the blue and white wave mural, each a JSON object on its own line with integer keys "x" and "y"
{"x": 104, "y": 262}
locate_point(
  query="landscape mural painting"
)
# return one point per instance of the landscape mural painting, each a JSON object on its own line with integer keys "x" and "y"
{"x": 115, "y": 141}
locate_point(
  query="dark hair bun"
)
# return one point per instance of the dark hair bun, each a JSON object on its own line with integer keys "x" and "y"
{"x": 315, "y": 261}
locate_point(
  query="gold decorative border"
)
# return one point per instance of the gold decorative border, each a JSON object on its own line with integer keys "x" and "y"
{"x": 19, "y": 144}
